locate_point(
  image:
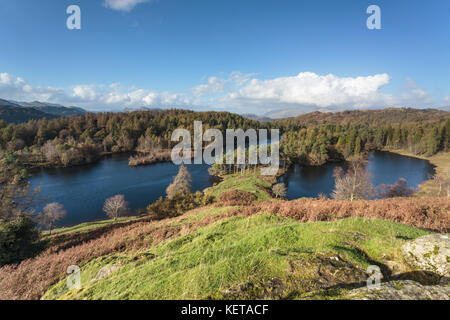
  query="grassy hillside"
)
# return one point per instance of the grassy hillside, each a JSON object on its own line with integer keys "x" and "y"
{"x": 217, "y": 260}
{"x": 308, "y": 248}
{"x": 249, "y": 182}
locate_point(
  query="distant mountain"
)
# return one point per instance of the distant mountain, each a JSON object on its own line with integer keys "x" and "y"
{"x": 286, "y": 113}
{"x": 255, "y": 117}
{"x": 18, "y": 112}
{"x": 14, "y": 113}
{"x": 51, "y": 108}
{"x": 142, "y": 109}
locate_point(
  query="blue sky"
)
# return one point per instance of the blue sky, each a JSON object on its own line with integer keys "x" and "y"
{"x": 238, "y": 55}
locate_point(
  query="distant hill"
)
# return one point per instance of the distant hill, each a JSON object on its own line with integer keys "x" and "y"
{"x": 255, "y": 117}
{"x": 309, "y": 112}
{"x": 287, "y": 113}
{"x": 14, "y": 113}
{"x": 51, "y": 108}
{"x": 18, "y": 112}
{"x": 372, "y": 117}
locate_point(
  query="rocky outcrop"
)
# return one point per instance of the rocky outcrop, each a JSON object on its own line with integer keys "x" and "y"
{"x": 106, "y": 271}
{"x": 400, "y": 290}
{"x": 308, "y": 273}
{"x": 429, "y": 253}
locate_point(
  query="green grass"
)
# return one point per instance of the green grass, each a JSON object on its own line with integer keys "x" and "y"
{"x": 249, "y": 182}
{"x": 235, "y": 251}
{"x": 86, "y": 226}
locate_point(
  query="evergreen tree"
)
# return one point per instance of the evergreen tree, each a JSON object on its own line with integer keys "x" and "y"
{"x": 181, "y": 184}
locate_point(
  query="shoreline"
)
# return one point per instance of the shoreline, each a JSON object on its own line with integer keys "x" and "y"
{"x": 440, "y": 162}
{"x": 436, "y": 161}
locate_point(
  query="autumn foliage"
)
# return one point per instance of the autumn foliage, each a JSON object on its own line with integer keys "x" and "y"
{"x": 236, "y": 198}
{"x": 32, "y": 277}
{"x": 428, "y": 213}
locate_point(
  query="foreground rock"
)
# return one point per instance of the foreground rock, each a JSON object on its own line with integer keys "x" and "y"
{"x": 106, "y": 271}
{"x": 309, "y": 273}
{"x": 429, "y": 253}
{"x": 401, "y": 290}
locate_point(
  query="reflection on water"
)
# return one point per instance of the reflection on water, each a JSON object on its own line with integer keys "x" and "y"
{"x": 83, "y": 190}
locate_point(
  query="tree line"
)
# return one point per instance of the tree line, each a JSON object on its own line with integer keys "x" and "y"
{"x": 83, "y": 139}
{"x": 336, "y": 142}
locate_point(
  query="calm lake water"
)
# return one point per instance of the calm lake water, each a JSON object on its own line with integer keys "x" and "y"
{"x": 385, "y": 168}
{"x": 83, "y": 190}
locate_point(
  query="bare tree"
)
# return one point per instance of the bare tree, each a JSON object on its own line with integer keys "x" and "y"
{"x": 50, "y": 151}
{"x": 52, "y": 212}
{"x": 116, "y": 206}
{"x": 354, "y": 184}
{"x": 399, "y": 189}
{"x": 279, "y": 190}
{"x": 442, "y": 184}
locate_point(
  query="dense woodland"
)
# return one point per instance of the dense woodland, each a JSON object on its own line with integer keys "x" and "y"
{"x": 317, "y": 138}
{"x": 83, "y": 139}
{"x": 314, "y": 138}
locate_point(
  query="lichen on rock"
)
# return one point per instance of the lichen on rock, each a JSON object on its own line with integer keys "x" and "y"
{"x": 429, "y": 253}
{"x": 400, "y": 290}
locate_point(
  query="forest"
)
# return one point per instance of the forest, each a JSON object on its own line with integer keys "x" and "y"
{"x": 317, "y": 138}
{"x": 83, "y": 139}
{"x": 314, "y": 138}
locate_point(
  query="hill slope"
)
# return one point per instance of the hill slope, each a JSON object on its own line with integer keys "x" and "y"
{"x": 266, "y": 249}
{"x": 54, "y": 109}
{"x": 255, "y": 257}
{"x": 369, "y": 117}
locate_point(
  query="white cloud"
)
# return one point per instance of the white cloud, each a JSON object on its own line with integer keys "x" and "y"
{"x": 217, "y": 85}
{"x": 16, "y": 87}
{"x": 447, "y": 99}
{"x": 85, "y": 92}
{"x": 235, "y": 92}
{"x": 308, "y": 88}
{"x": 122, "y": 5}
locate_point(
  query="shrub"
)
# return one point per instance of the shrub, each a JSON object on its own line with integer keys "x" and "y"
{"x": 399, "y": 189}
{"x": 177, "y": 204}
{"x": 18, "y": 239}
{"x": 428, "y": 213}
{"x": 279, "y": 190}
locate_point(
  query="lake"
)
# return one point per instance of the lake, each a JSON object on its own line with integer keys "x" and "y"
{"x": 385, "y": 168}
{"x": 83, "y": 190}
